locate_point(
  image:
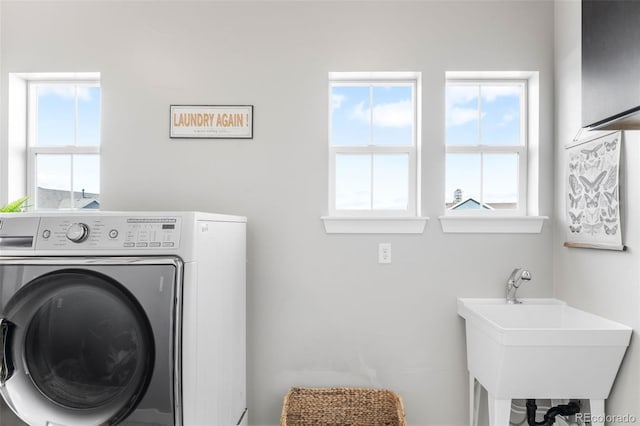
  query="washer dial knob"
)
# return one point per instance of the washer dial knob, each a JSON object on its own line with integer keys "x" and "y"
{"x": 78, "y": 232}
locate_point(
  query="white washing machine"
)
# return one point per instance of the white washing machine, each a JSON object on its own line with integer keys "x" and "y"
{"x": 131, "y": 318}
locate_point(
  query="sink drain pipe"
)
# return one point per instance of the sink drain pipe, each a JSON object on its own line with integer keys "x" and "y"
{"x": 550, "y": 417}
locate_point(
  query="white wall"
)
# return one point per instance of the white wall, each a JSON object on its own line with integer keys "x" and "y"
{"x": 3, "y": 146}
{"x": 321, "y": 310}
{"x": 602, "y": 282}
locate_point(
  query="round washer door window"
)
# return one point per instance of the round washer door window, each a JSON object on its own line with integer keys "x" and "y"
{"x": 88, "y": 344}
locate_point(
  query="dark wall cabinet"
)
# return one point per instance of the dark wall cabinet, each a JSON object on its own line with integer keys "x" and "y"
{"x": 610, "y": 62}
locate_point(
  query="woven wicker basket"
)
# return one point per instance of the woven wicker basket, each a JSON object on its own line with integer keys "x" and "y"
{"x": 342, "y": 407}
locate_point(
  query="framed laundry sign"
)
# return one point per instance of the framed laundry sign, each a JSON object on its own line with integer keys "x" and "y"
{"x": 211, "y": 121}
{"x": 593, "y": 193}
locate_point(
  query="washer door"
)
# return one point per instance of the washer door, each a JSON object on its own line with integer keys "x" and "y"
{"x": 76, "y": 349}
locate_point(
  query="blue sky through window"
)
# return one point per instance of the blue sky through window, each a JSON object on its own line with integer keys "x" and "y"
{"x": 463, "y": 172}
{"x": 500, "y": 178}
{"x": 57, "y": 127}
{"x": 89, "y": 116}
{"x": 483, "y": 114}
{"x": 56, "y": 115}
{"x": 354, "y": 106}
{"x": 86, "y": 173}
{"x": 391, "y": 181}
{"x": 372, "y": 115}
{"x": 353, "y": 182}
{"x": 53, "y": 171}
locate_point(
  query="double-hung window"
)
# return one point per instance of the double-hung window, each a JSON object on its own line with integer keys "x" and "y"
{"x": 374, "y": 145}
{"x": 486, "y": 147}
{"x": 63, "y": 136}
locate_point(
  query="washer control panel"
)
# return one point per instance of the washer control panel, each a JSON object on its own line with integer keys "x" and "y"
{"x": 108, "y": 232}
{"x": 77, "y": 232}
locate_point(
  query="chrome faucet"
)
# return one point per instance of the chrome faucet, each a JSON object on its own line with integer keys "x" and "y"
{"x": 518, "y": 275}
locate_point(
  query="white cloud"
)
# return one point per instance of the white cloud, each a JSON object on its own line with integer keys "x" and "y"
{"x": 507, "y": 118}
{"x": 460, "y": 95}
{"x": 360, "y": 113}
{"x": 459, "y": 116}
{"x": 457, "y": 95}
{"x": 396, "y": 114}
{"x": 65, "y": 92}
{"x": 491, "y": 93}
{"x": 337, "y": 100}
{"x": 392, "y": 114}
{"x": 461, "y": 102}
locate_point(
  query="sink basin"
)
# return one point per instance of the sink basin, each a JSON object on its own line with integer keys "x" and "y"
{"x": 542, "y": 348}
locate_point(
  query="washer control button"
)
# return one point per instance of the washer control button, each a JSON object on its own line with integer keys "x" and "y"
{"x": 113, "y": 233}
{"x": 78, "y": 232}
{"x": 154, "y": 244}
{"x": 141, "y": 244}
{"x": 129, "y": 245}
{"x": 46, "y": 234}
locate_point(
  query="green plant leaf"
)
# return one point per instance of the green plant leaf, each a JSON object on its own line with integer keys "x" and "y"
{"x": 15, "y": 206}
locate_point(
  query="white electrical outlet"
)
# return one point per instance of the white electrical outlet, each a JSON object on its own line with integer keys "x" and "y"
{"x": 384, "y": 253}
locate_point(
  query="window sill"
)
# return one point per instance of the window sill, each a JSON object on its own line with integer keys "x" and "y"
{"x": 378, "y": 225}
{"x": 492, "y": 225}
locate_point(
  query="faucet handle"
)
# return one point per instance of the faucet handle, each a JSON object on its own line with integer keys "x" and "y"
{"x": 512, "y": 277}
{"x": 515, "y": 280}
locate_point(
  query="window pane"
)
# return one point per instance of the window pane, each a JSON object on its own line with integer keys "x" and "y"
{"x": 500, "y": 180}
{"x": 88, "y": 115}
{"x": 461, "y": 114}
{"x": 86, "y": 181}
{"x": 501, "y": 114}
{"x": 462, "y": 181}
{"x": 391, "y": 182}
{"x": 53, "y": 181}
{"x": 353, "y": 182}
{"x": 56, "y": 115}
{"x": 393, "y": 115}
{"x": 350, "y": 115}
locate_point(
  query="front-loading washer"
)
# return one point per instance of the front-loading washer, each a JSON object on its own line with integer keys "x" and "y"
{"x": 132, "y": 318}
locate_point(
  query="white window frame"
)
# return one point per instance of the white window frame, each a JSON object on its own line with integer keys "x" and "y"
{"x": 413, "y": 151}
{"x": 32, "y": 135}
{"x": 521, "y": 150}
{"x": 530, "y": 222}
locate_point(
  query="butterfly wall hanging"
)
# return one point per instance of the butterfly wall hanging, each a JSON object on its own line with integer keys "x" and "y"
{"x": 593, "y": 192}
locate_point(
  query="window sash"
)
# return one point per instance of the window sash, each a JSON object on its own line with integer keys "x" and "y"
{"x": 32, "y": 105}
{"x": 370, "y": 150}
{"x": 521, "y": 210}
{"x": 521, "y": 149}
{"x": 33, "y": 149}
{"x": 412, "y": 151}
{"x": 524, "y": 86}
{"x": 70, "y": 150}
{"x": 380, "y": 82}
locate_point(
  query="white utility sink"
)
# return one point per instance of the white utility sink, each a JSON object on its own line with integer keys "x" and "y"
{"x": 541, "y": 348}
